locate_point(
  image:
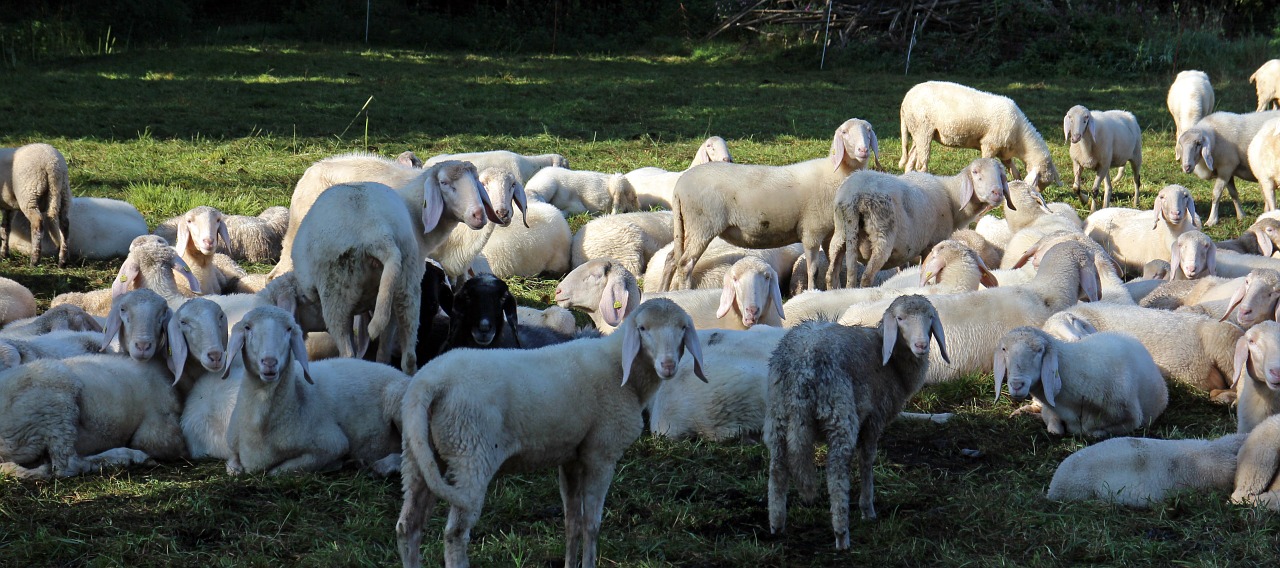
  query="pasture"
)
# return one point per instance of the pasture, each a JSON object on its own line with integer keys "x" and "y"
{"x": 235, "y": 126}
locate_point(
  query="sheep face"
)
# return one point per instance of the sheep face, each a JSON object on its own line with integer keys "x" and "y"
{"x": 1257, "y": 299}
{"x": 853, "y": 143}
{"x": 753, "y": 286}
{"x": 480, "y": 309}
{"x": 662, "y": 332}
{"x": 140, "y": 318}
{"x": 1027, "y": 356}
{"x": 198, "y": 326}
{"x": 1078, "y": 121}
{"x": 713, "y": 149}
{"x": 1173, "y": 204}
{"x": 1023, "y": 194}
{"x": 202, "y": 227}
{"x": 269, "y": 341}
{"x": 461, "y": 195}
{"x": 1258, "y": 352}
{"x": 1193, "y": 145}
{"x": 598, "y": 285}
{"x": 1195, "y": 253}
{"x": 504, "y": 188}
{"x": 914, "y": 321}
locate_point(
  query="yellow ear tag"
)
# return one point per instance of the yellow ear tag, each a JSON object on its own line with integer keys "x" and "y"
{"x": 123, "y": 278}
{"x": 617, "y": 304}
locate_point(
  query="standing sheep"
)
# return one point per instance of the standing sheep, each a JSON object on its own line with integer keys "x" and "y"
{"x": 1267, "y": 80}
{"x": 654, "y": 186}
{"x": 764, "y": 206}
{"x": 964, "y": 117}
{"x": 34, "y": 181}
{"x": 1264, "y": 159}
{"x": 1101, "y": 140}
{"x": 1217, "y": 148}
{"x": 1190, "y": 99}
{"x": 104, "y": 230}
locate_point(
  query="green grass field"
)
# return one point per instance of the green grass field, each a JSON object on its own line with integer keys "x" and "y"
{"x": 235, "y": 126}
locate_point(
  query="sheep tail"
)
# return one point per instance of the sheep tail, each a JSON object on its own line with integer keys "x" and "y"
{"x": 416, "y": 418}
{"x": 389, "y": 255}
{"x": 677, "y": 245}
{"x": 799, "y": 435}
{"x": 1119, "y": 176}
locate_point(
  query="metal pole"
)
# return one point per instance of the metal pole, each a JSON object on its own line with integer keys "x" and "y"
{"x": 368, "y": 7}
{"x": 826, "y": 35}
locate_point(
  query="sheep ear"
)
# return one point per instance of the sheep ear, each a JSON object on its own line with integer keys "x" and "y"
{"x": 184, "y": 235}
{"x": 837, "y": 149}
{"x": 1091, "y": 129}
{"x": 935, "y": 328}
{"x": 222, "y": 232}
{"x": 966, "y": 187}
{"x": 360, "y": 325}
{"x": 114, "y": 322}
{"x": 875, "y": 147}
{"x": 298, "y": 344}
{"x": 128, "y": 273}
{"x": 1241, "y": 360}
{"x": 1264, "y": 242}
{"x": 1008, "y": 196}
{"x": 1066, "y": 129}
{"x": 180, "y": 266}
{"x": 1031, "y": 252}
{"x": 1236, "y": 298}
{"x": 630, "y": 347}
{"x": 512, "y": 317}
{"x": 432, "y": 203}
{"x": 932, "y": 269}
{"x": 987, "y": 279}
{"x": 1175, "y": 260}
{"x": 488, "y": 205}
{"x": 1158, "y": 207}
{"x": 521, "y": 200}
{"x": 1213, "y": 259}
{"x": 1090, "y": 282}
{"x": 177, "y": 348}
{"x": 776, "y": 294}
{"x": 727, "y": 295}
{"x": 234, "y": 346}
{"x": 889, "y": 333}
{"x": 287, "y": 302}
{"x": 1087, "y": 327}
{"x": 998, "y": 365}
{"x": 695, "y": 349}
{"x": 702, "y": 157}
{"x": 613, "y": 302}
{"x": 1049, "y": 377}
{"x": 1206, "y": 152}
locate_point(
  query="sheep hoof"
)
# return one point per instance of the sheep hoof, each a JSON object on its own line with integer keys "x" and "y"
{"x": 1223, "y": 396}
{"x": 1033, "y": 408}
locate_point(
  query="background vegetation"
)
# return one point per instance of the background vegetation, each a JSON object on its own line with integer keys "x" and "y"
{"x": 197, "y": 103}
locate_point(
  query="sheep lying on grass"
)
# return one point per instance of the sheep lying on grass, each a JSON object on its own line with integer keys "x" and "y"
{"x": 1141, "y": 472}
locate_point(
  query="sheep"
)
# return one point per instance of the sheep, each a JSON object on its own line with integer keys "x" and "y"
{"x": 1257, "y": 375}
{"x": 523, "y": 166}
{"x": 1113, "y": 289}
{"x": 34, "y": 181}
{"x": 989, "y": 252}
{"x": 823, "y": 379}
{"x": 577, "y": 191}
{"x": 750, "y": 289}
{"x": 1191, "y": 349}
{"x": 1029, "y": 223}
{"x": 1267, "y": 81}
{"x": 889, "y": 220}
{"x": 346, "y": 408}
{"x": 1155, "y": 270}
{"x": 1261, "y": 238}
{"x": 1141, "y": 472}
{"x": 716, "y": 261}
{"x": 1192, "y": 255}
{"x": 437, "y": 197}
{"x": 16, "y": 301}
{"x": 1257, "y": 465}
{"x": 57, "y": 345}
{"x": 150, "y": 266}
{"x": 554, "y": 317}
{"x": 484, "y": 315}
{"x": 65, "y": 317}
{"x": 1134, "y": 237}
{"x": 629, "y": 238}
{"x": 253, "y": 239}
{"x": 199, "y": 231}
{"x": 1105, "y": 384}
{"x": 464, "y": 244}
{"x": 1099, "y": 141}
{"x": 741, "y": 204}
{"x": 104, "y": 230}
{"x": 1190, "y": 98}
{"x": 960, "y": 116}
{"x": 654, "y": 186}
{"x": 541, "y": 248}
{"x": 355, "y": 251}
{"x": 466, "y": 416}
{"x": 1217, "y": 148}
{"x": 1263, "y": 154}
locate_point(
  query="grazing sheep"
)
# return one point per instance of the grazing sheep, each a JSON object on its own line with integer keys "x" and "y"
{"x": 104, "y": 230}
{"x": 467, "y": 416}
{"x": 1257, "y": 375}
{"x": 355, "y": 251}
{"x": 1099, "y": 141}
{"x": 888, "y": 220}
{"x": 741, "y": 204}
{"x": 1134, "y": 238}
{"x": 253, "y": 239}
{"x": 578, "y": 191}
{"x": 1141, "y": 472}
{"x": 347, "y": 408}
{"x": 34, "y": 181}
{"x": 629, "y": 238}
{"x": 541, "y": 248}
{"x": 1267, "y": 80}
{"x": 150, "y": 266}
{"x": 16, "y": 301}
{"x": 1190, "y": 99}
{"x": 716, "y": 261}
{"x": 654, "y": 186}
{"x": 1103, "y": 385}
{"x": 964, "y": 117}
{"x": 824, "y": 380}
{"x": 1261, "y": 238}
{"x": 1257, "y": 465}
{"x": 1217, "y": 148}
{"x": 1263, "y": 154}
{"x": 523, "y": 166}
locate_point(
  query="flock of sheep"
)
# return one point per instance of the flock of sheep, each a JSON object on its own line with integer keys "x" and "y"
{"x": 379, "y": 258}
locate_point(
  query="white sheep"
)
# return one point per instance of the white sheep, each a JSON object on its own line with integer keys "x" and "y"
{"x": 1099, "y": 141}
{"x": 1190, "y": 98}
{"x": 1261, "y": 238}
{"x": 578, "y": 191}
{"x": 764, "y": 206}
{"x": 198, "y": 234}
{"x": 150, "y": 266}
{"x": 1263, "y": 154}
{"x": 889, "y": 220}
{"x": 1267, "y": 81}
{"x": 65, "y": 317}
{"x": 104, "y": 230}
{"x": 1192, "y": 255}
{"x": 523, "y": 166}
{"x": 716, "y": 261}
{"x": 34, "y": 181}
{"x": 629, "y": 238}
{"x": 16, "y": 301}
{"x": 346, "y": 408}
{"x": 466, "y": 416}
{"x": 1134, "y": 238}
{"x": 1113, "y": 289}
{"x": 355, "y": 251}
{"x": 253, "y": 239}
{"x": 1217, "y": 148}
{"x": 654, "y": 186}
{"x": 602, "y": 288}
{"x": 542, "y": 247}
{"x": 1103, "y": 385}
{"x": 1141, "y": 472}
{"x": 1257, "y": 375}
{"x": 56, "y": 345}
{"x": 1257, "y": 466}
{"x": 750, "y": 289}
{"x": 960, "y": 116}
{"x": 553, "y": 317}
{"x": 842, "y": 384}
{"x": 464, "y": 244}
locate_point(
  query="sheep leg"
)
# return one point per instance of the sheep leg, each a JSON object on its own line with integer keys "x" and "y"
{"x": 15, "y": 470}
{"x": 337, "y": 308}
{"x": 922, "y": 147}
{"x": 1235, "y": 197}
{"x": 61, "y": 227}
{"x": 406, "y": 323}
{"x": 689, "y": 260}
{"x": 1218, "y": 185}
{"x": 774, "y": 438}
{"x": 1137, "y": 179}
{"x": 1076, "y": 171}
{"x": 313, "y": 461}
{"x": 811, "y": 248}
{"x": 571, "y": 495}
{"x": 595, "y": 486}
{"x": 868, "y": 441}
{"x": 457, "y": 533}
{"x": 6, "y": 225}
{"x": 418, "y": 503}
{"x": 1052, "y": 422}
{"x": 37, "y": 235}
{"x": 880, "y": 250}
{"x": 1268, "y": 188}
{"x": 840, "y": 440}
{"x": 1103, "y": 180}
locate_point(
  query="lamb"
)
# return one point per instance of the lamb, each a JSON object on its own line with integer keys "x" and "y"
{"x": 577, "y": 191}
{"x": 1141, "y": 472}
{"x": 1257, "y": 465}
{"x": 355, "y": 251}
{"x": 34, "y": 181}
{"x": 1263, "y": 154}
{"x": 654, "y": 186}
{"x": 979, "y": 319}
{"x": 581, "y": 422}
{"x": 629, "y": 238}
{"x": 16, "y": 301}
{"x": 150, "y": 266}
{"x": 716, "y": 261}
{"x": 823, "y": 379}
{"x": 960, "y": 116}
{"x": 253, "y": 239}
{"x": 1257, "y": 375}
{"x": 542, "y": 248}
{"x": 888, "y": 220}
{"x": 1099, "y": 141}
{"x": 1103, "y": 385}
{"x": 1261, "y": 238}
{"x": 1217, "y": 148}
{"x": 740, "y": 203}
{"x": 104, "y": 230}
{"x": 1190, "y": 98}
{"x": 1267, "y": 81}
{"x": 1134, "y": 238}
{"x": 346, "y": 408}
{"x": 523, "y": 166}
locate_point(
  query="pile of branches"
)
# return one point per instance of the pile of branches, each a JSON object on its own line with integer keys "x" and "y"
{"x": 896, "y": 20}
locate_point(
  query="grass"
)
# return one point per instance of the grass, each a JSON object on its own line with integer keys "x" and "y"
{"x": 234, "y": 126}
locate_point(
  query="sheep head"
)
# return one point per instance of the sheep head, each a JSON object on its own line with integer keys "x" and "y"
{"x": 1027, "y": 356}
{"x": 713, "y": 149}
{"x": 269, "y": 341}
{"x": 623, "y": 194}
{"x": 752, "y": 285}
{"x": 1257, "y": 299}
{"x": 481, "y": 307}
{"x": 1195, "y": 144}
{"x": 602, "y": 285}
{"x": 140, "y": 318}
{"x": 1077, "y": 123}
{"x": 1195, "y": 254}
{"x": 1174, "y": 205}
{"x": 453, "y": 187}
{"x": 662, "y": 331}
{"x": 201, "y": 228}
{"x": 984, "y": 178}
{"x": 853, "y": 143}
{"x": 503, "y": 189}
{"x": 913, "y": 319}
{"x": 1258, "y": 352}
{"x": 409, "y": 159}
{"x": 198, "y": 326}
